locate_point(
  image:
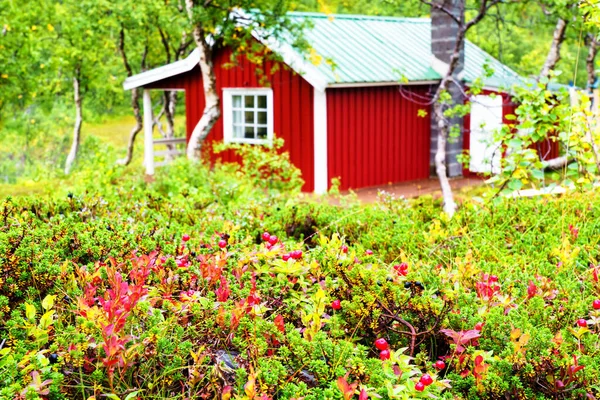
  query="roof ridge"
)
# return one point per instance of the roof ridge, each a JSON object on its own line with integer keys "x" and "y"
{"x": 359, "y": 17}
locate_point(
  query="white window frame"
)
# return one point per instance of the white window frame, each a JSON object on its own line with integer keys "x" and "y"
{"x": 228, "y": 94}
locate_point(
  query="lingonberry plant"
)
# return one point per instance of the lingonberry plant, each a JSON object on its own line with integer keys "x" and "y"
{"x": 101, "y": 295}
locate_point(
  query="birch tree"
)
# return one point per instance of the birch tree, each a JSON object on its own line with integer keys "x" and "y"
{"x": 231, "y": 23}
{"x": 82, "y": 47}
{"x": 441, "y": 100}
{"x": 151, "y": 33}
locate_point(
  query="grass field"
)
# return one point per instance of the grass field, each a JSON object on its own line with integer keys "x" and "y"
{"x": 114, "y": 132}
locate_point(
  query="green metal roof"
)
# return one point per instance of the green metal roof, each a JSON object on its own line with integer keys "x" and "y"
{"x": 368, "y": 49}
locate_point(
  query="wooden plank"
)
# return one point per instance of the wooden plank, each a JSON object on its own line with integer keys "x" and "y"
{"x": 165, "y": 153}
{"x": 169, "y": 141}
{"x": 148, "y": 129}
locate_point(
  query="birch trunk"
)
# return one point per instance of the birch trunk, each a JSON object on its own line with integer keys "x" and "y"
{"x": 551, "y": 60}
{"x": 590, "y": 60}
{"x": 78, "y": 122}
{"x": 212, "y": 110}
{"x": 554, "y": 53}
{"x": 135, "y": 100}
{"x": 135, "y": 105}
{"x": 440, "y": 160}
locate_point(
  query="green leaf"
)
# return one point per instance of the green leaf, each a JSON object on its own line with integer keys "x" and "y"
{"x": 132, "y": 395}
{"x": 515, "y": 184}
{"x": 111, "y": 396}
{"x": 537, "y": 174}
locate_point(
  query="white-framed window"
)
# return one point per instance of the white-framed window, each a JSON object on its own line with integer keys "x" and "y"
{"x": 248, "y": 115}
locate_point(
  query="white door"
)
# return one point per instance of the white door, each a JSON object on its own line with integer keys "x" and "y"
{"x": 486, "y": 118}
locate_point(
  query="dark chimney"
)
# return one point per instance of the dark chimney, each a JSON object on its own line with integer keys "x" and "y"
{"x": 444, "y": 30}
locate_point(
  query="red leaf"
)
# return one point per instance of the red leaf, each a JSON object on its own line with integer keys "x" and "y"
{"x": 467, "y": 336}
{"x": 363, "y": 395}
{"x": 531, "y": 290}
{"x": 346, "y": 388}
{"x": 279, "y": 323}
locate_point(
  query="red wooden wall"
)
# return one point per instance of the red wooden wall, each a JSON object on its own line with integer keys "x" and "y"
{"x": 376, "y": 137}
{"x": 292, "y": 102}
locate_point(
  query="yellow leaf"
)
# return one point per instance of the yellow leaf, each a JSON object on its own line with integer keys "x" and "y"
{"x": 515, "y": 333}
{"x": 30, "y": 312}
{"x": 48, "y": 302}
{"x": 249, "y": 387}
{"x": 34, "y": 28}
{"x": 46, "y": 320}
{"x": 5, "y": 76}
{"x": 50, "y": 28}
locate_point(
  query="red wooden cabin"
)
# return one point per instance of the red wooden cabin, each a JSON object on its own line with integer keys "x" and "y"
{"x": 348, "y": 115}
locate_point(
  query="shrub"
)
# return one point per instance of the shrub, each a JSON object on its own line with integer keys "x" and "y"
{"x": 101, "y": 295}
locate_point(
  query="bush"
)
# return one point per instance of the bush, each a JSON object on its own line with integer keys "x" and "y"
{"x": 102, "y": 294}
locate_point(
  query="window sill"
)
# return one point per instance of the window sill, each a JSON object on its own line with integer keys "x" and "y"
{"x": 249, "y": 141}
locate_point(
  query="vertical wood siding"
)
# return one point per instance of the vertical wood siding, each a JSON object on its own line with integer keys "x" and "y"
{"x": 292, "y": 103}
{"x": 375, "y": 136}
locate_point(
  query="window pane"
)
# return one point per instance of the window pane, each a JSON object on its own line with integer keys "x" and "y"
{"x": 262, "y": 117}
{"x": 249, "y": 132}
{"x": 237, "y": 101}
{"x": 249, "y": 101}
{"x": 261, "y": 132}
{"x": 249, "y": 117}
{"x": 238, "y": 131}
{"x": 237, "y": 117}
{"x": 262, "y": 102}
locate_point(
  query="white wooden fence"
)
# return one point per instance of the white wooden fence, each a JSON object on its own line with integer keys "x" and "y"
{"x": 167, "y": 154}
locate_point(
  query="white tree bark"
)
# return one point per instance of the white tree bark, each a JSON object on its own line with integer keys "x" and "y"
{"x": 551, "y": 60}
{"x": 440, "y": 160}
{"x": 78, "y": 122}
{"x": 590, "y": 61}
{"x": 212, "y": 106}
{"x": 554, "y": 54}
{"x": 135, "y": 104}
{"x": 557, "y": 163}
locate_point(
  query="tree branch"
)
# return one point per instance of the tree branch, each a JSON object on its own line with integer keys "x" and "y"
{"x": 121, "y": 46}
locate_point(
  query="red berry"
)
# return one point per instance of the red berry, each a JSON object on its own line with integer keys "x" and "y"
{"x": 582, "y": 322}
{"x": 266, "y": 236}
{"x": 185, "y": 237}
{"x": 479, "y": 326}
{"x": 384, "y": 354}
{"x": 344, "y": 249}
{"x": 336, "y": 304}
{"x": 426, "y": 379}
{"x": 381, "y": 344}
{"x": 596, "y": 304}
{"x": 439, "y": 365}
{"x": 369, "y": 252}
{"x": 273, "y": 239}
{"x": 296, "y": 254}
{"x": 222, "y": 244}
{"x": 419, "y": 387}
{"x": 401, "y": 269}
{"x": 285, "y": 257}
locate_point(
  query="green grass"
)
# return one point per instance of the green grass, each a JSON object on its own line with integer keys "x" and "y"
{"x": 114, "y": 132}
